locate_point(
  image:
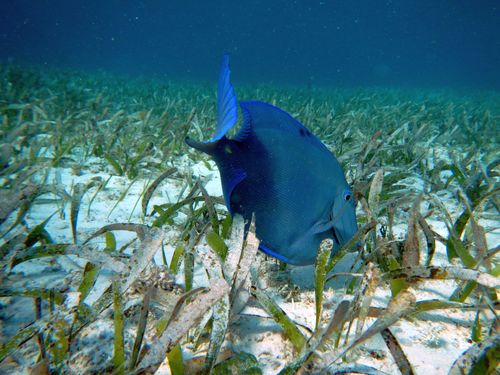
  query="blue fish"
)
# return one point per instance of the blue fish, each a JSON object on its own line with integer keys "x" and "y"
{"x": 275, "y": 168}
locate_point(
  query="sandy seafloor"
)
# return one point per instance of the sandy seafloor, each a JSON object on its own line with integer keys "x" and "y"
{"x": 432, "y": 342}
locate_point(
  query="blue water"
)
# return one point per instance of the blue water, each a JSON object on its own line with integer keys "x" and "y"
{"x": 425, "y": 43}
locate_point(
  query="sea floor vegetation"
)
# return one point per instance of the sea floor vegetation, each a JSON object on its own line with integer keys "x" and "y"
{"x": 118, "y": 256}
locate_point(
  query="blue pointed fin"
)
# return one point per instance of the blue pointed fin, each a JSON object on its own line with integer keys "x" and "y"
{"x": 227, "y": 110}
{"x": 206, "y": 147}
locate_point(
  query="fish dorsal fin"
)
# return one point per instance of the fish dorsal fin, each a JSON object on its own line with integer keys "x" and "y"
{"x": 247, "y": 124}
{"x": 227, "y": 110}
{"x": 259, "y": 115}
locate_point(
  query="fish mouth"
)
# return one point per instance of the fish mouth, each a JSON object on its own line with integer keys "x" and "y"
{"x": 337, "y": 237}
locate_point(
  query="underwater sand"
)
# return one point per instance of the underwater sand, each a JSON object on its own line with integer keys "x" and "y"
{"x": 67, "y": 135}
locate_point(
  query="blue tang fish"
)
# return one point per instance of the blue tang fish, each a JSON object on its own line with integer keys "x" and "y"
{"x": 276, "y": 168}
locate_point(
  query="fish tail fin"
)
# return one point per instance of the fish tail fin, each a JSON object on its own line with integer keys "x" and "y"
{"x": 227, "y": 110}
{"x": 206, "y": 147}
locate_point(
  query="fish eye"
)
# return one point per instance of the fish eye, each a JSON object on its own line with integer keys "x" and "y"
{"x": 347, "y": 195}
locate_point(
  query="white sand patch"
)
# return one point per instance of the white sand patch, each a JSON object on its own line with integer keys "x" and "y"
{"x": 431, "y": 343}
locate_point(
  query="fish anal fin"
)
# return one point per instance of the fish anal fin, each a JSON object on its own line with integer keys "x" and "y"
{"x": 231, "y": 177}
{"x": 268, "y": 251}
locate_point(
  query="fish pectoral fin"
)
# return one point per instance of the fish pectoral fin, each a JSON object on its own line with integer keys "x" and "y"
{"x": 325, "y": 226}
{"x": 322, "y": 226}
